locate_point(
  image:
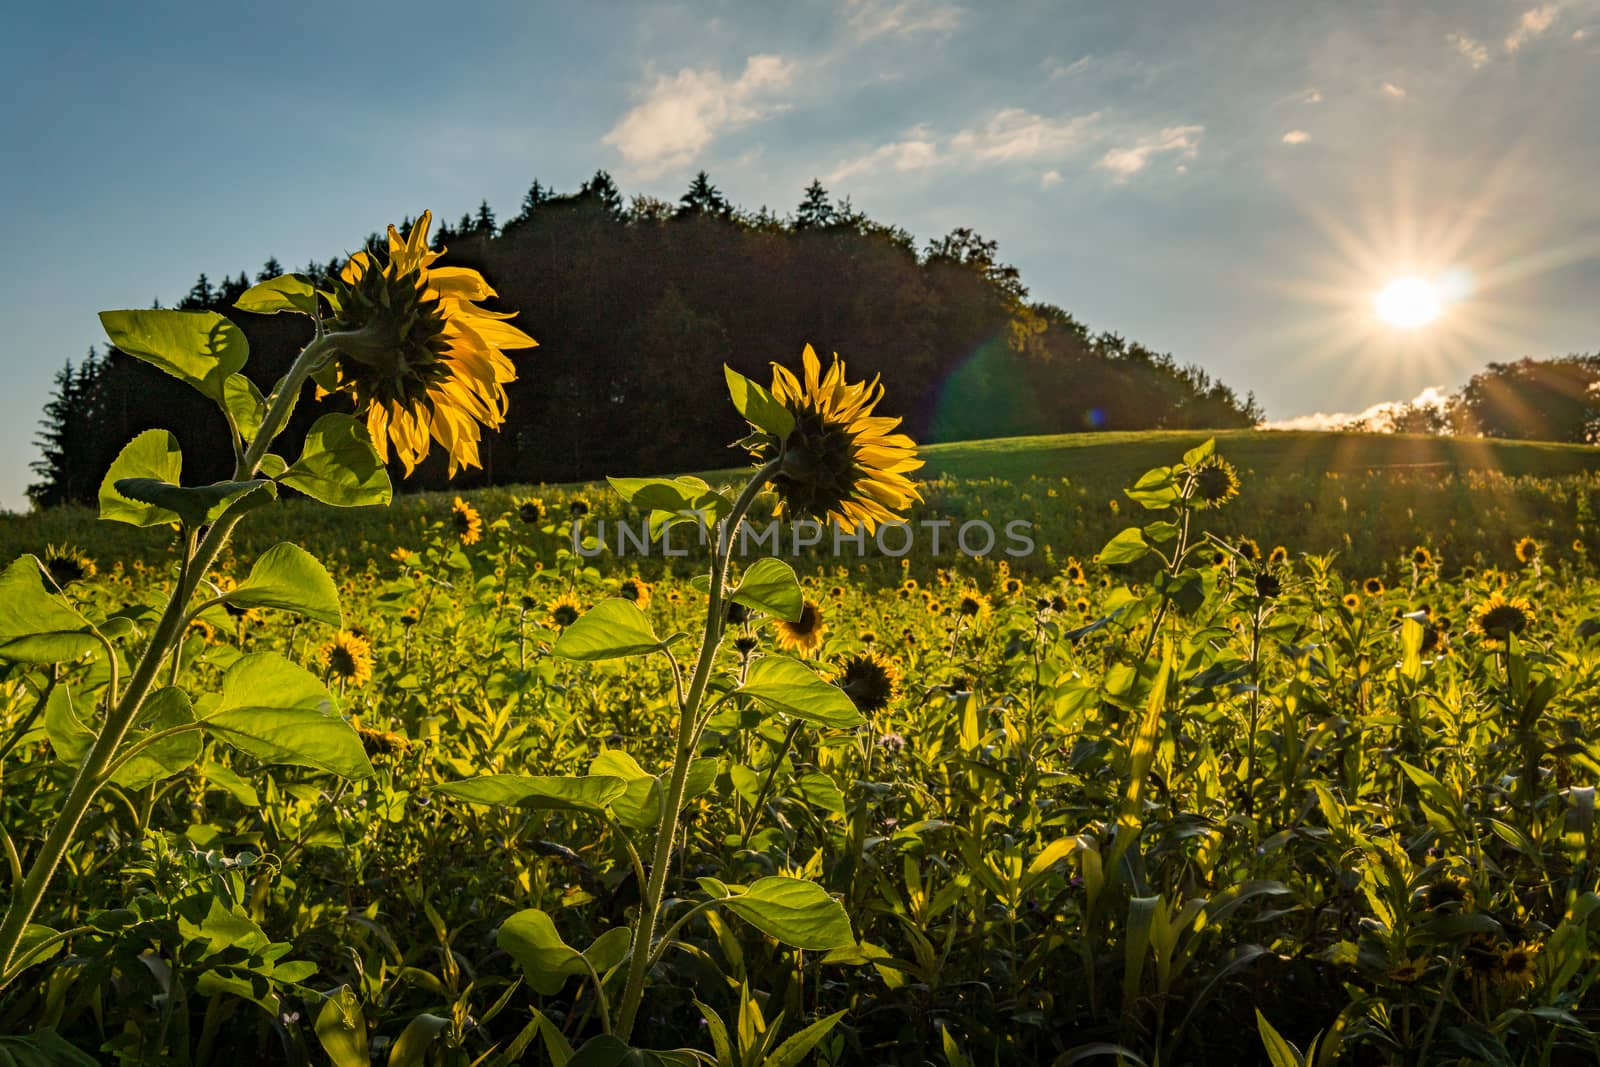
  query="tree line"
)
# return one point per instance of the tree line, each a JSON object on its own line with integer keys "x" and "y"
{"x": 1527, "y": 399}
{"x": 637, "y": 304}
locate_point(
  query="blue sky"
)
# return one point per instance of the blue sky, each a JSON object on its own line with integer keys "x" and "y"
{"x": 1230, "y": 183}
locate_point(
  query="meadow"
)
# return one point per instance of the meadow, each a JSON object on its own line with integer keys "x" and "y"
{"x": 1303, "y": 776}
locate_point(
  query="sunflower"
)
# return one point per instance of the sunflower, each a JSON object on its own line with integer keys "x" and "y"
{"x": 381, "y": 743}
{"x": 870, "y": 680}
{"x": 933, "y": 606}
{"x": 578, "y": 507}
{"x": 1373, "y": 586}
{"x": 1351, "y": 601}
{"x": 803, "y": 635}
{"x": 348, "y": 657}
{"x": 973, "y": 605}
{"x": 66, "y": 565}
{"x": 1081, "y": 605}
{"x": 531, "y": 510}
{"x": 423, "y": 362}
{"x": 1268, "y": 585}
{"x": 840, "y": 461}
{"x": 1518, "y": 965}
{"x": 1498, "y": 617}
{"x": 1421, "y": 557}
{"x": 637, "y": 590}
{"x": 1278, "y": 556}
{"x": 1409, "y": 971}
{"x": 1012, "y": 586}
{"x": 466, "y": 522}
{"x": 564, "y": 610}
{"x": 1215, "y": 483}
{"x": 909, "y": 585}
{"x": 1073, "y": 572}
{"x": 1527, "y": 550}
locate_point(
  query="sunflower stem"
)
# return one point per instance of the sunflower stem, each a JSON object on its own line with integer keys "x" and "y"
{"x": 688, "y": 715}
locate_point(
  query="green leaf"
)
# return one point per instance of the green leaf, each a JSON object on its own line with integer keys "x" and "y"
{"x": 1279, "y": 1051}
{"x": 411, "y": 1047}
{"x": 286, "y": 292}
{"x": 288, "y": 577}
{"x": 36, "y": 625}
{"x": 770, "y": 586}
{"x": 530, "y": 937}
{"x": 245, "y": 403}
{"x": 198, "y": 347}
{"x": 1200, "y": 453}
{"x": 688, "y": 496}
{"x": 789, "y": 686}
{"x": 162, "y": 710}
{"x": 609, "y": 949}
{"x": 585, "y": 793}
{"x": 604, "y": 1050}
{"x": 1156, "y": 489}
{"x": 1126, "y": 547}
{"x": 70, "y": 739}
{"x": 197, "y": 505}
{"x": 280, "y": 713}
{"x": 342, "y": 1029}
{"x": 793, "y": 1052}
{"x": 153, "y": 454}
{"x": 759, "y": 407}
{"x": 611, "y": 629}
{"x": 796, "y": 912}
{"x": 339, "y": 465}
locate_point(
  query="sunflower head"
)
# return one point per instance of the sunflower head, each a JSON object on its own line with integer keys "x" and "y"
{"x": 1268, "y": 585}
{"x": 870, "y": 680}
{"x": 1351, "y": 601}
{"x": 1527, "y": 550}
{"x": 1373, "y": 586}
{"x": 840, "y": 461}
{"x": 1073, "y": 572}
{"x": 380, "y": 744}
{"x": 423, "y": 362}
{"x": 804, "y": 634}
{"x": 973, "y": 605}
{"x": 1012, "y": 586}
{"x": 1278, "y": 556}
{"x": 1421, "y": 557}
{"x": 637, "y": 590}
{"x": 1215, "y": 483}
{"x": 1499, "y": 617}
{"x": 1518, "y": 965}
{"x": 348, "y": 657}
{"x": 531, "y": 510}
{"x": 564, "y": 610}
{"x": 1249, "y": 549}
{"x": 466, "y": 522}
{"x": 66, "y": 565}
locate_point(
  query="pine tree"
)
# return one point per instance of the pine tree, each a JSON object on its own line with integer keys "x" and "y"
{"x": 537, "y": 194}
{"x": 483, "y": 224}
{"x": 816, "y": 209}
{"x": 703, "y": 198}
{"x": 442, "y": 236}
{"x": 603, "y": 192}
{"x": 269, "y": 270}
{"x": 201, "y": 294}
{"x": 64, "y": 436}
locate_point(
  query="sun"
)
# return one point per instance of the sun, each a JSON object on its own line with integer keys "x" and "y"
{"x": 1409, "y": 303}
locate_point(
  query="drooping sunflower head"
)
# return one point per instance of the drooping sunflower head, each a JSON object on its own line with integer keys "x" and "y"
{"x": 1278, "y": 556}
{"x": 1215, "y": 483}
{"x": 840, "y": 462}
{"x": 637, "y": 590}
{"x": 1499, "y": 617}
{"x": 1249, "y": 549}
{"x": 803, "y": 635}
{"x": 423, "y": 362}
{"x": 1527, "y": 550}
{"x": 348, "y": 657}
{"x": 466, "y": 522}
{"x": 66, "y": 565}
{"x": 870, "y": 680}
{"x": 564, "y": 610}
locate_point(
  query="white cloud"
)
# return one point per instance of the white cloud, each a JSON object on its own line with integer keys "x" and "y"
{"x": 1296, "y": 137}
{"x": 1054, "y": 68}
{"x": 1378, "y": 417}
{"x": 1475, "y": 51}
{"x": 1129, "y": 160}
{"x": 1533, "y": 24}
{"x": 1049, "y": 178}
{"x": 917, "y": 151}
{"x": 875, "y": 18}
{"x": 1013, "y": 133}
{"x": 683, "y": 113}
{"x": 1393, "y": 91}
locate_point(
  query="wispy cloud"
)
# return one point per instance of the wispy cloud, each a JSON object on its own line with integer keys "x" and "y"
{"x": 1049, "y": 178}
{"x": 1379, "y": 417}
{"x": 1392, "y": 91}
{"x": 1127, "y": 160}
{"x": 681, "y": 114}
{"x": 1534, "y": 23}
{"x": 1296, "y": 137}
{"x": 877, "y": 18}
{"x": 916, "y": 150}
{"x": 1474, "y": 50}
{"x": 1015, "y": 134}
{"x": 1055, "y": 68}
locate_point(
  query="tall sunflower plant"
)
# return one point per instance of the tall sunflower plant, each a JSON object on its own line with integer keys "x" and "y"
{"x": 817, "y": 446}
{"x": 415, "y": 362}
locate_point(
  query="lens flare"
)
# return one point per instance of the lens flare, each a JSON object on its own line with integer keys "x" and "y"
{"x": 1409, "y": 302}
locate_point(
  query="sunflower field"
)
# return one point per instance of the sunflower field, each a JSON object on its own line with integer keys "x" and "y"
{"x": 1188, "y": 770}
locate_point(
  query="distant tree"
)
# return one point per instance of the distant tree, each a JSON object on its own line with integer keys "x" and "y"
{"x": 483, "y": 222}
{"x": 601, "y": 191}
{"x": 442, "y": 235}
{"x": 967, "y": 248}
{"x": 816, "y": 209}
{"x": 269, "y": 270}
{"x": 646, "y": 210}
{"x": 537, "y": 194}
{"x": 69, "y": 419}
{"x": 232, "y": 289}
{"x": 703, "y": 198}
{"x": 1535, "y": 400}
{"x": 201, "y": 294}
